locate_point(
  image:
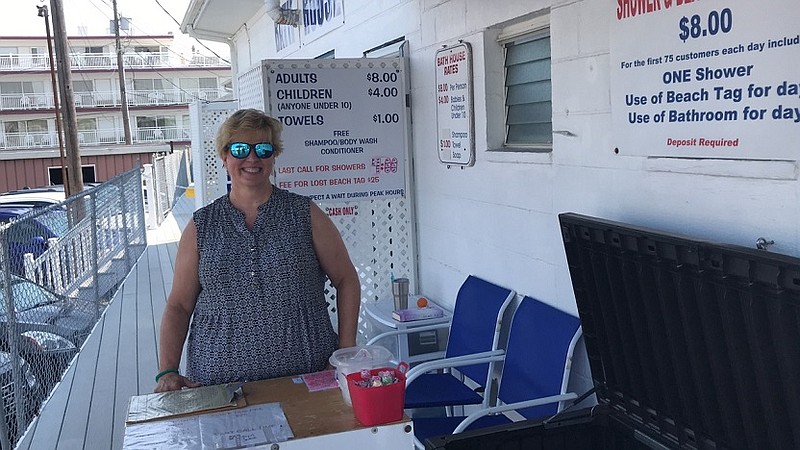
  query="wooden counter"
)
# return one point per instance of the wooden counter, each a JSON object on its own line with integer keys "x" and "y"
{"x": 308, "y": 413}
{"x": 320, "y": 419}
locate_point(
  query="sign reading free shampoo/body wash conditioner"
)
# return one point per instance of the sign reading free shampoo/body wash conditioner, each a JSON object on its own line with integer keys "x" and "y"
{"x": 344, "y": 127}
{"x": 710, "y": 78}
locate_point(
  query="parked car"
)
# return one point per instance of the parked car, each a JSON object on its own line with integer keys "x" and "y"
{"x": 31, "y": 393}
{"x": 39, "y": 196}
{"x": 39, "y": 309}
{"x": 52, "y": 327}
{"x": 31, "y": 236}
{"x": 34, "y": 197}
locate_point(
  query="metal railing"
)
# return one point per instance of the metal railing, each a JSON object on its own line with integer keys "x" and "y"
{"x": 163, "y": 181}
{"x": 94, "y": 137}
{"x": 61, "y": 266}
{"x": 109, "y": 61}
{"x": 102, "y": 99}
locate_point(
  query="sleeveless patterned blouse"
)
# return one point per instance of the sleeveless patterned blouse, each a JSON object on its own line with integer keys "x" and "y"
{"x": 261, "y": 312}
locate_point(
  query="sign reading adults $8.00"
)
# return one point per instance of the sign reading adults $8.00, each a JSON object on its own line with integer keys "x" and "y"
{"x": 344, "y": 127}
{"x": 706, "y": 78}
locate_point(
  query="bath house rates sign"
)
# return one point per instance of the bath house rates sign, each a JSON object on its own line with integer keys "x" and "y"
{"x": 454, "y": 115}
{"x": 707, "y": 79}
{"x": 344, "y": 127}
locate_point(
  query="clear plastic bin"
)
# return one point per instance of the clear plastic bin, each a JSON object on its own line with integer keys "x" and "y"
{"x": 353, "y": 359}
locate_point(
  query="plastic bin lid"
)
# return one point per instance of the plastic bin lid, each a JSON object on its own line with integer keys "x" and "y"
{"x": 360, "y": 357}
{"x": 691, "y": 342}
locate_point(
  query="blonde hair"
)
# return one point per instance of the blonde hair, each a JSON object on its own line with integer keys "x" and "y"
{"x": 249, "y": 119}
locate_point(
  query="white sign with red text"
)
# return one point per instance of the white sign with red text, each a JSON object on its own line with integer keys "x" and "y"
{"x": 710, "y": 78}
{"x": 344, "y": 127}
{"x": 454, "y": 114}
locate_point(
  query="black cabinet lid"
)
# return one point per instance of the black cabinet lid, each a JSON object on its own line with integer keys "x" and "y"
{"x": 694, "y": 342}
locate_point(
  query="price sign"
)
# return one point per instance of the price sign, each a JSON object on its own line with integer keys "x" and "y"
{"x": 454, "y": 114}
{"x": 717, "y": 22}
{"x": 344, "y": 127}
{"x": 715, "y": 79}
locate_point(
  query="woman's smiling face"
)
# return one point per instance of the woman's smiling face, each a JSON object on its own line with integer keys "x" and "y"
{"x": 251, "y": 171}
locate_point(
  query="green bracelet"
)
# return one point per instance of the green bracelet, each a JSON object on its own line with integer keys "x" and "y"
{"x": 164, "y": 372}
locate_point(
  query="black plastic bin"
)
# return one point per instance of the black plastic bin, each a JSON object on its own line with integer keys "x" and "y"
{"x": 692, "y": 344}
{"x": 581, "y": 430}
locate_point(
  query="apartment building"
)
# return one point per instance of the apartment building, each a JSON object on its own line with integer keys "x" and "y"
{"x": 160, "y": 83}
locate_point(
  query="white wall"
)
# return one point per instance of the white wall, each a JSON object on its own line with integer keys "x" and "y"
{"x": 498, "y": 219}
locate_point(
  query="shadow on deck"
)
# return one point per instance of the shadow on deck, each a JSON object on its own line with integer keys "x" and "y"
{"x": 119, "y": 359}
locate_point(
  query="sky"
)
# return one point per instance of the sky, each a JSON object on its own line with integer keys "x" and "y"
{"x": 19, "y": 18}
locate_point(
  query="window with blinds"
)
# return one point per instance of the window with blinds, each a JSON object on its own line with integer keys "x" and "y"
{"x": 529, "y": 108}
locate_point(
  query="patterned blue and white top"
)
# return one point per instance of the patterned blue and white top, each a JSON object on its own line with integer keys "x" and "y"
{"x": 261, "y": 312}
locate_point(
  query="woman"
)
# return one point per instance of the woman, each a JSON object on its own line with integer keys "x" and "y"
{"x": 250, "y": 274}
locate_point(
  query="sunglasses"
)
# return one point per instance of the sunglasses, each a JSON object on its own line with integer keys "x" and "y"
{"x": 241, "y": 150}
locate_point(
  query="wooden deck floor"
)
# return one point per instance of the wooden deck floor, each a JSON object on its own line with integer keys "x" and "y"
{"x": 87, "y": 409}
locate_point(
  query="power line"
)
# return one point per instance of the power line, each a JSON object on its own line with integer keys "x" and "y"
{"x": 132, "y": 38}
{"x": 198, "y": 40}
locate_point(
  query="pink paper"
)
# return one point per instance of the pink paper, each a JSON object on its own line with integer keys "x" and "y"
{"x": 320, "y": 381}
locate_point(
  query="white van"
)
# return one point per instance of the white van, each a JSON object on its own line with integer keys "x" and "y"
{"x": 35, "y": 197}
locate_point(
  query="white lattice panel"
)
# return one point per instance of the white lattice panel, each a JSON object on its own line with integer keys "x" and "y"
{"x": 210, "y": 178}
{"x": 250, "y": 89}
{"x": 380, "y": 240}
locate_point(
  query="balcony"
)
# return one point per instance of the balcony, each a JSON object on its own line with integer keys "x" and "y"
{"x": 145, "y": 60}
{"x": 48, "y": 139}
{"x": 95, "y": 99}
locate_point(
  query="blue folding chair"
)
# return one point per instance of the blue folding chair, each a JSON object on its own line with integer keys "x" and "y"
{"x": 535, "y": 372}
{"x": 474, "y": 336}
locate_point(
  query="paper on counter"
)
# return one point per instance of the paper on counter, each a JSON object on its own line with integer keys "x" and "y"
{"x": 239, "y": 428}
{"x": 246, "y": 427}
{"x": 320, "y": 381}
{"x": 142, "y": 408}
{"x": 182, "y": 432}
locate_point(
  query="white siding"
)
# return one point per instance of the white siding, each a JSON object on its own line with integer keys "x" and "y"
{"x": 498, "y": 219}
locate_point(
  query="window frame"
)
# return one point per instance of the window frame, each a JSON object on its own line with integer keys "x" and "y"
{"x": 521, "y": 33}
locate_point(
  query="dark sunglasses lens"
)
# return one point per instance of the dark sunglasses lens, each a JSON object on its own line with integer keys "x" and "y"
{"x": 239, "y": 150}
{"x": 264, "y": 150}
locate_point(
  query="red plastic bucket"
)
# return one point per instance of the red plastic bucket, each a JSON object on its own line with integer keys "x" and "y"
{"x": 380, "y": 404}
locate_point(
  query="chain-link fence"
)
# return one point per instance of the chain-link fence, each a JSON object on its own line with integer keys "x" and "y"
{"x": 61, "y": 265}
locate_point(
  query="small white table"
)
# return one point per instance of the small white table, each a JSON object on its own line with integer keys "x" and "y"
{"x": 380, "y": 313}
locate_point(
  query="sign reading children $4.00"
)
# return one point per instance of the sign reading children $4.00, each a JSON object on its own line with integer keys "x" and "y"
{"x": 344, "y": 127}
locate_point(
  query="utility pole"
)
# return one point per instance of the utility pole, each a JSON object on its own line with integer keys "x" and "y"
{"x": 74, "y": 182}
{"x": 44, "y": 13}
{"x": 126, "y": 121}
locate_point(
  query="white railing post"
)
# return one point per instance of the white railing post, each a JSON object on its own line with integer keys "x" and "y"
{"x": 150, "y": 194}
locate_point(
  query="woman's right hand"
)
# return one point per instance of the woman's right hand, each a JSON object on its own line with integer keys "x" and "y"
{"x": 174, "y": 382}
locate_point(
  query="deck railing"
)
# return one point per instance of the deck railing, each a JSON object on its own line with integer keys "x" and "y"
{"x": 105, "y": 136}
{"x": 109, "y": 61}
{"x": 80, "y": 251}
{"x": 107, "y": 99}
